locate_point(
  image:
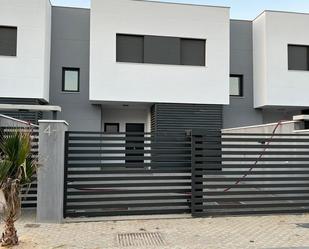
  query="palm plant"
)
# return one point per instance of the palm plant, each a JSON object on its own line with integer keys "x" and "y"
{"x": 17, "y": 168}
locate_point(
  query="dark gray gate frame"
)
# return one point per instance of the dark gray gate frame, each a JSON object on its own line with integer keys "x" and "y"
{"x": 196, "y": 193}
{"x": 166, "y": 192}
{"x": 197, "y": 172}
{"x": 202, "y": 157}
{"x": 65, "y": 176}
{"x": 223, "y": 194}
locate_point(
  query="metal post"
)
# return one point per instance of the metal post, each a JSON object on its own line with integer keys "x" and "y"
{"x": 197, "y": 191}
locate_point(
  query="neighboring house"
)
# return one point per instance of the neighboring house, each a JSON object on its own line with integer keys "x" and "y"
{"x": 131, "y": 65}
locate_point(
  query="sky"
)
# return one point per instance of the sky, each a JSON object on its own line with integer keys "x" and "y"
{"x": 240, "y": 9}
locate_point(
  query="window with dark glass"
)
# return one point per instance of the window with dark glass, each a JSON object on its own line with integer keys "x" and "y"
{"x": 298, "y": 57}
{"x": 192, "y": 52}
{"x": 111, "y": 127}
{"x": 236, "y": 85}
{"x": 130, "y": 48}
{"x": 70, "y": 79}
{"x": 8, "y": 41}
{"x": 160, "y": 50}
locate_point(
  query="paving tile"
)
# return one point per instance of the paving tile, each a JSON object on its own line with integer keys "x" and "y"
{"x": 252, "y": 232}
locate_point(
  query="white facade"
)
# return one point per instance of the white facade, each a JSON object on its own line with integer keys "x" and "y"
{"x": 274, "y": 84}
{"x": 132, "y": 82}
{"x": 26, "y": 75}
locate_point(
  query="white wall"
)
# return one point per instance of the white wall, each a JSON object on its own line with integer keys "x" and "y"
{"x": 126, "y": 115}
{"x": 286, "y": 127}
{"x": 111, "y": 81}
{"x": 274, "y": 84}
{"x": 27, "y": 74}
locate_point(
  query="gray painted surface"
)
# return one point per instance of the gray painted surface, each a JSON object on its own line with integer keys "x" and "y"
{"x": 70, "y": 48}
{"x": 181, "y": 117}
{"x": 241, "y": 111}
{"x": 277, "y": 114}
{"x": 51, "y": 172}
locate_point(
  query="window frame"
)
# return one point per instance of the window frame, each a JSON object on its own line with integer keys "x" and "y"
{"x": 241, "y": 85}
{"x": 149, "y": 36}
{"x": 203, "y": 52}
{"x": 122, "y": 35}
{"x": 307, "y": 54}
{"x": 106, "y": 124}
{"x": 74, "y": 69}
{"x": 16, "y": 42}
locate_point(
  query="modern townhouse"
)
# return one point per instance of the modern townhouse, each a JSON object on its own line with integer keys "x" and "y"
{"x": 131, "y": 65}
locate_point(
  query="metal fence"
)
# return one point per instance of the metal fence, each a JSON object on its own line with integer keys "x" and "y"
{"x": 249, "y": 173}
{"x": 29, "y": 193}
{"x": 127, "y": 174}
{"x": 205, "y": 173}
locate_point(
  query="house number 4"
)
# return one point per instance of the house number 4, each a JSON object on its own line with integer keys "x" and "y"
{"x": 48, "y": 130}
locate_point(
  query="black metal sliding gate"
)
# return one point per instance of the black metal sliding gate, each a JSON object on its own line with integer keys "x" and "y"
{"x": 249, "y": 173}
{"x": 204, "y": 173}
{"x": 127, "y": 174}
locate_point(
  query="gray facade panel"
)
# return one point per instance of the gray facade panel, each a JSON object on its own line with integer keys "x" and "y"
{"x": 70, "y": 48}
{"x": 181, "y": 117}
{"x": 241, "y": 110}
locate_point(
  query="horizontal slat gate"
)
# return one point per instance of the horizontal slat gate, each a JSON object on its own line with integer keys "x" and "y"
{"x": 127, "y": 174}
{"x": 249, "y": 173}
{"x": 29, "y": 193}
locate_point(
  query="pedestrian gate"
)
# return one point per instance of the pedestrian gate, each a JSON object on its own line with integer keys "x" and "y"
{"x": 249, "y": 173}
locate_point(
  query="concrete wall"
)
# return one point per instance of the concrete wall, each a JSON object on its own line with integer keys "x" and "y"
{"x": 26, "y": 75}
{"x": 275, "y": 85}
{"x": 284, "y": 127}
{"x": 136, "y": 82}
{"x": 70, "y": 48}
{"x": 51, "y": 171}
{"x": 240, "y": 111}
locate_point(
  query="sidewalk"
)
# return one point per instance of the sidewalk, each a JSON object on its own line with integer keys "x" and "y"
{"x": 286, "y": 231}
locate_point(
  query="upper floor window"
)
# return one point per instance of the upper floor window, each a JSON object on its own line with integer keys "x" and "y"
{"x": 298, "y": 57}
{"x": 70, "y": 79}
{"x": 8, "y": 41}
{"x": 160, "y": 50}
{"x": 236, "y": 85}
